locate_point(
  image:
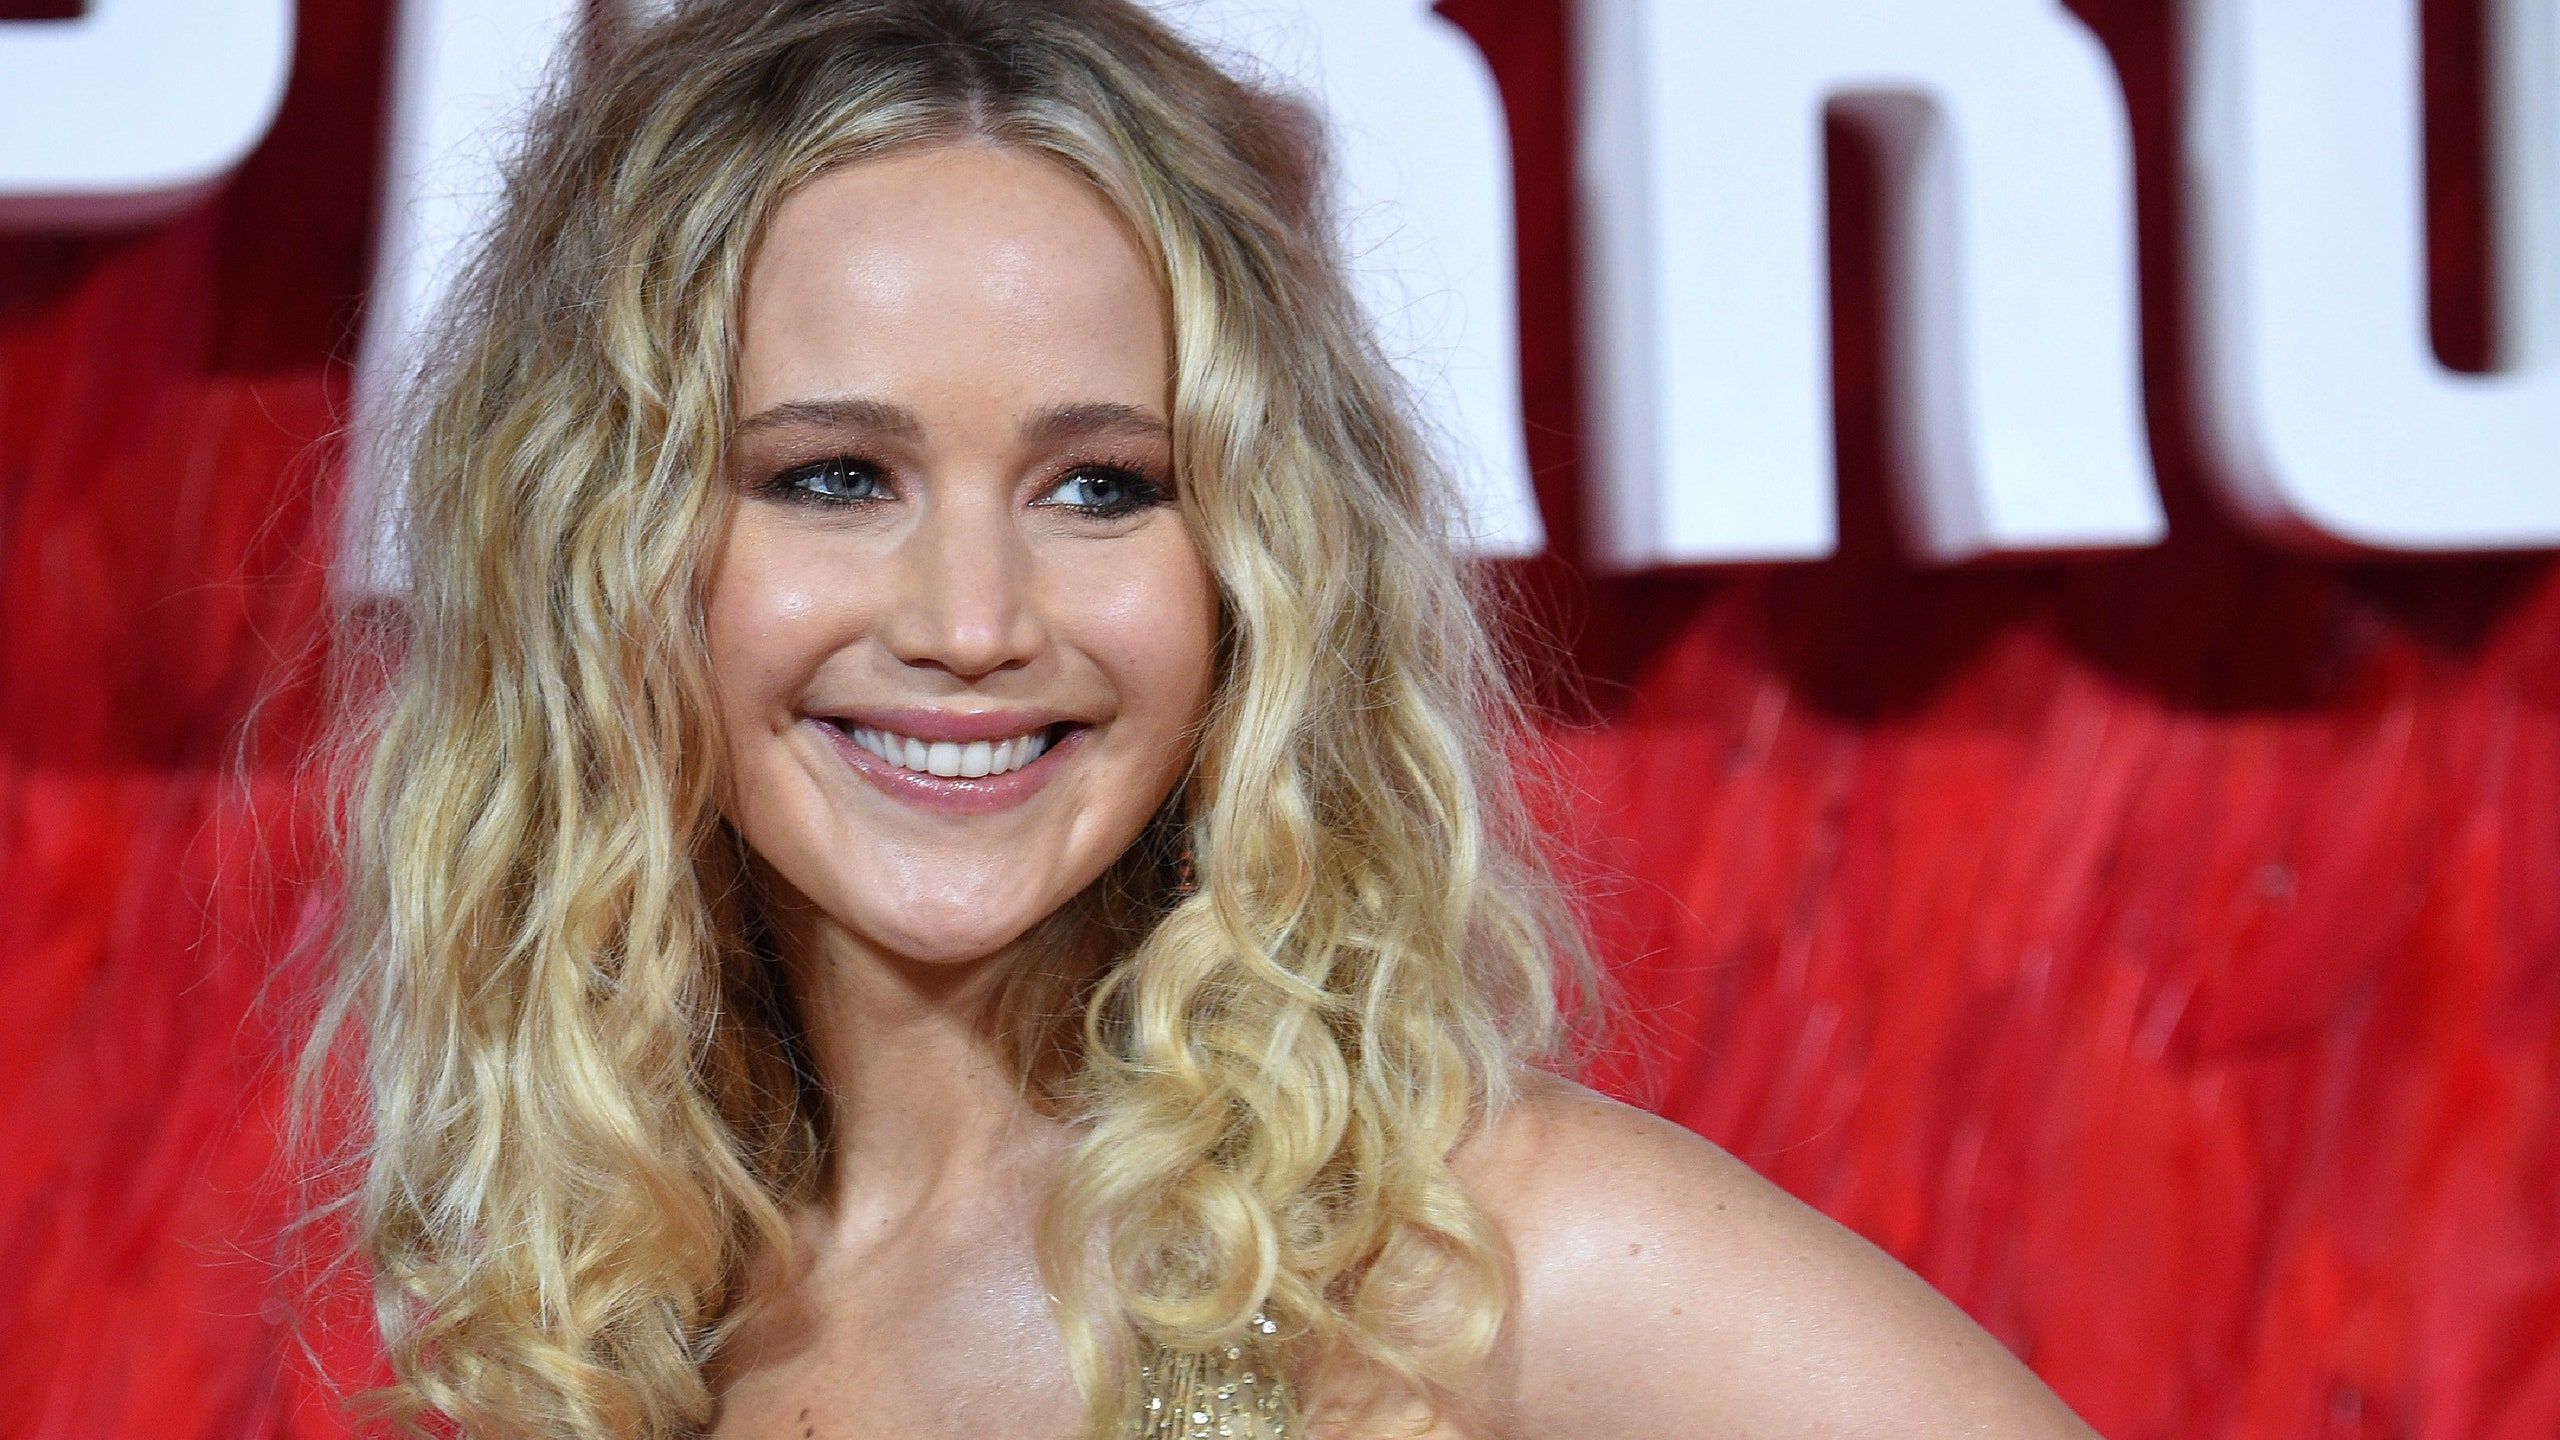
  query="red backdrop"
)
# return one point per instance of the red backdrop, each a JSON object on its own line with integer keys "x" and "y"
{"x": 2159, "y": 952}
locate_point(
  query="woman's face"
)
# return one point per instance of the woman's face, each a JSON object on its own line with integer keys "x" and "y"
{"x": 960, "y": 631}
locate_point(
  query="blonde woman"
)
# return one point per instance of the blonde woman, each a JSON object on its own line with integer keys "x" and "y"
{"x": 934, "y": 856}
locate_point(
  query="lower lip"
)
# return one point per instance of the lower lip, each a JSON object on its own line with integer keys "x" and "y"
{"x": 954, "y": 794}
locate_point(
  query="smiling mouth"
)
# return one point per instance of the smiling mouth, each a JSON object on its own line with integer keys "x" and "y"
{"x": 950, "y": 759}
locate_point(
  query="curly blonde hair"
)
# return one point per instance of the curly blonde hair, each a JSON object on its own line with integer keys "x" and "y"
{"x": 582, "y": 1101}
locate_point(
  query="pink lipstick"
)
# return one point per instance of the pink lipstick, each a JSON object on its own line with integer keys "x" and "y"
{"x": 953, "y": 794}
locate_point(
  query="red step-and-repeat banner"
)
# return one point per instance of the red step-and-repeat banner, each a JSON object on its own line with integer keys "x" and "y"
{"x": 2157, "y": 950}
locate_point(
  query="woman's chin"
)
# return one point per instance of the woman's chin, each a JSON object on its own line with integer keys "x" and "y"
{"x": 965, "y": 918}
{"x": 940, "y": 939}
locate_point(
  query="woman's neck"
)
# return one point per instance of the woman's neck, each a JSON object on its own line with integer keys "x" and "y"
{"x": 927, "y": 1110}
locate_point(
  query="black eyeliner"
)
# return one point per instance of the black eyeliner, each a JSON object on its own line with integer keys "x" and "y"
{"x": 784, "y": 484}
{"x": 1141, "y": 490}
{"x": 1144, "y": 491}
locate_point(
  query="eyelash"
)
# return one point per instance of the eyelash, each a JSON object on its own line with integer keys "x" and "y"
{"x": 789, "y": 486}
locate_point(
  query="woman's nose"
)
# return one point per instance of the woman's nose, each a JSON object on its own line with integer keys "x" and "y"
{"x": 963, "y": 598}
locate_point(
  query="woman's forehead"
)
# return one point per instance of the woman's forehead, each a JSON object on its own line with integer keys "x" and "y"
{"x": 909, "y": 269}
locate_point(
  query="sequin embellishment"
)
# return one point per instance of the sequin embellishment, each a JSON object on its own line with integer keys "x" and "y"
{"x": 1219, "y": 1395}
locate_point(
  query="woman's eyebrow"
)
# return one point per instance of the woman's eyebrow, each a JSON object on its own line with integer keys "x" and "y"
{"x": 879, "y": 416}
{"x": 897, "y": 422}
{"x": 1091, "y": 417}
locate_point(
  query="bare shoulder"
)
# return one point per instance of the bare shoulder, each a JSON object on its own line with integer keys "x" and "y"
{"x": 1663, "y": 1279}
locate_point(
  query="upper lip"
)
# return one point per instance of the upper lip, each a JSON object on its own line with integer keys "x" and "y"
{"x": 928, "y": 724}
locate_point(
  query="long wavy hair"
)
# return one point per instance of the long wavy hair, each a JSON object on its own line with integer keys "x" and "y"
{"x": 581, "y": 1102}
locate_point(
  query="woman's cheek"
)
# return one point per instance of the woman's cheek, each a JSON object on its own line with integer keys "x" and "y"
{"x": 769, "y": 624}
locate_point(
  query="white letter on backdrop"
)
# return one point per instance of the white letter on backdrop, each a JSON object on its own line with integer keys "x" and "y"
{"x": 2016, "y": 358}
{"x": 136, "y": 108}
{"x": 1423, "y": 186}
{"x": 2332, "y": 423}
{"x": 463, "y": 73}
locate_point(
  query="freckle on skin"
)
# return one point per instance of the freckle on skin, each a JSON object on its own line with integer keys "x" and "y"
{"x": 1635, "y": 1249}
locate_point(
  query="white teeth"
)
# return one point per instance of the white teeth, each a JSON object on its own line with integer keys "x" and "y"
{"x": 971, "y": 759}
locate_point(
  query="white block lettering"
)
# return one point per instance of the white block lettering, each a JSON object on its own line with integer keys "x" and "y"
{"x": 2016, "y": 362}
{"x": 136, "y": 108}
{"x": 2332, "y": 423}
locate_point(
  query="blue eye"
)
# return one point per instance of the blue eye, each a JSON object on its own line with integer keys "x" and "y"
{"x": 1111, "y": 492}
{"x": 836, "y": 480}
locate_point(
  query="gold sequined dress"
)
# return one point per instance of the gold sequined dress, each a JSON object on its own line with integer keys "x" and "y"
{"x": 1220, "y": 1395}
